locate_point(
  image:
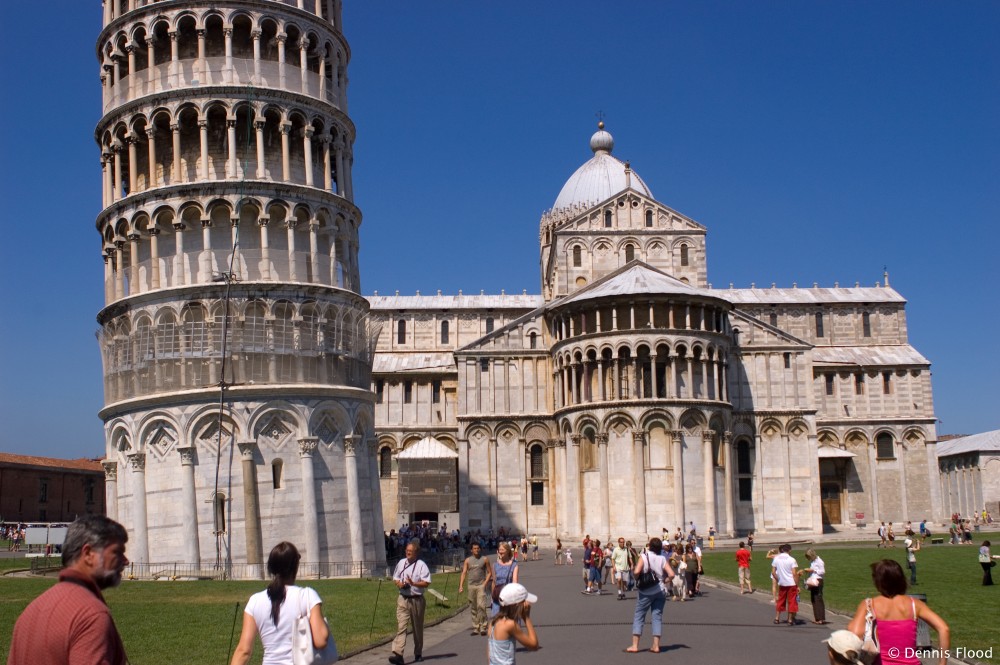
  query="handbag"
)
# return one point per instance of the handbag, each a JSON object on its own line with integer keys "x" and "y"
{"x": 304, "y": 652}
{"x": 646, "y": 579}
{"x": 870, "y": 654}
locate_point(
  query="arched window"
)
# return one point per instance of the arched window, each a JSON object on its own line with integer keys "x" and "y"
{"x": 385, "y": 462}
{"x": 744, "y": 471}
{"x": 533, "y": 340}
{"x": 401, "y": 331}
{"x": 607, "y": 219}
{"x": 884, "y": 446}
{"x": 537, "y": 466}
{"x": 277, "y": 466}
{"x": 684, "y": 255}
{"x": 629, "y": 253}
{"x": 649, "y": 219}
{"x": 589, "y": 452}
{"x": 577, "y": 256}
{"x": 444, "y": 332}
{"x": 219, "y": 513}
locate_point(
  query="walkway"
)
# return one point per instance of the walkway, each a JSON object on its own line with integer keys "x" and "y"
{"x": 719, "y": 627}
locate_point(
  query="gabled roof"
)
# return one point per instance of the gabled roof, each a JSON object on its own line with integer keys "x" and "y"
{"x": 812, "y": 296}
{"x": 868, "y": 356}
{"x": 636, "y": 278}
{"x": 983, "y": 442}
{"x": 772, "y": 336}
{"x": 428, "y": 448}
{"x": 390, "y": 362}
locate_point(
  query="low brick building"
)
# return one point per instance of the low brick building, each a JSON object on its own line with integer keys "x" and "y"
{"x": 45, "y": 489}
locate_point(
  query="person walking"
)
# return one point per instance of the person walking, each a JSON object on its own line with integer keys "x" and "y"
{"x": 620, "y": 557}
{"x": 785, "y": 570}
{"x": 271, "y": 613}
{"x": 691, "y": 572}
{"x": 652, "y": 598}
{"x": 912, "y": 547}
{"x": 817, "y": 571}
{"x": 505, "y": 627}
{"x": 504, "y": 572}
{"x": 594, "y": 561}
{"x": 881, "y": 537}
{"x": 896, "y": 615}
{"x": 70, "y": 622}
{"x": 987, "y": 562}
{"x": 411, "y": 577}
{"x": 743, "y": 559}
{"x": 559, "y": 553}
{"x": 477, "y": 571}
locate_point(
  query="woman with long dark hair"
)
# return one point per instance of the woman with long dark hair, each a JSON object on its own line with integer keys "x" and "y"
{"x": 896, "y": 615}
{"x": 272, "y": 612}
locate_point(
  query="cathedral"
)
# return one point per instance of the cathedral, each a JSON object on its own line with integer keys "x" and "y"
{"x": 632, "y": 396}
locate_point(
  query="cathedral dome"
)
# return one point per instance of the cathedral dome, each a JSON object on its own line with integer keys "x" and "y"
{"x": 601, "y": 177}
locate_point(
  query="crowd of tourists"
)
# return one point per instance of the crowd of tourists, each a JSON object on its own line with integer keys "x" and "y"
{"x": 14, "y": 534}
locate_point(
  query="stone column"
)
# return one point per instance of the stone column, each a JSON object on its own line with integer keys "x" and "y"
{"x": 189, "y": 507}
{"x": 463, "y": 483}
{"x": 106, "y": 176}
{"x": 280, "y": 38}
{"x": 727, "y": 444}
{"x": 639, "y": 465}
{"x": 175, "y": 131}
{"x": 677, "y": 459}
{"x": 602, "y": 460}
{"x": 151, "y": 153}
{"x": 133, "y": 162}
{"x": 348, "y": 170}
{"x": 139, "y": 543}
{"x": 265, "y": 252}
{"x": 872, "y": 484}
{"x": 327, "y": 180}
{"x": 119, "y": 258}
{"x": 258, "y": 126}
{"x": 286, "y": 128}
{"x": 203, "y": 133}
{"x": 494, "y": 481}
{"x": 255, "y": 35}
{"x": 251, "y": 509}
{"x": 571, "y": 487}
{"x": 110, "y": 488}
{"x": 902, "y": 482}
{"x": 550, "y": 455}
{"x": 930, "y": 451}
{"x": 154, "y": 258}
{"x": 378, "y": 527}
{"x": 293, "y": 273}
{"x": 201, "y": 71}
{"x": 708, "y": 460}
{"x": 133, "y": 248}
{"x": 228, "y": 77}
{"x": 304, "y": 65}
{"x": 314, "y": 249}
{"x": 560, "y": 489}
{"x": 232, "y": 167}
{"x": 339, "y": 155}
{"x": 174, "y": 69}
{"x": 310, "y": 517}
{"x": 322, "y": 78}
{"x": 116, "y": 184}
{"x": 307, "y": 134}
{"x": 351, "y": 444}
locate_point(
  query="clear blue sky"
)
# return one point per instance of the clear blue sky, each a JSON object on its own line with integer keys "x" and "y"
{"x": 817, "y": 141}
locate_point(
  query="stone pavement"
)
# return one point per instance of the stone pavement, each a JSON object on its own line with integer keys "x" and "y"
{"x": 721, "y": 626}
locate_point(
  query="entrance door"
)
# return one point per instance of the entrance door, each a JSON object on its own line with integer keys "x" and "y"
{"x": 830, "y": 501}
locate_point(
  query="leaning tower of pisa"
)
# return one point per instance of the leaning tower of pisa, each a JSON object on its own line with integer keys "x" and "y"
{"x": 236, "y": 348}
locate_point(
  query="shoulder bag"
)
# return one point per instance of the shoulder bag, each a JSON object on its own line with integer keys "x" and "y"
{"x": 647, "y": 579}
{"x": 870, "y": 654}
{"x": 304, "y": 652}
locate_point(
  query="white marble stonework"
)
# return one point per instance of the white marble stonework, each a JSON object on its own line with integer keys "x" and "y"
{"x": 631, "y": 395}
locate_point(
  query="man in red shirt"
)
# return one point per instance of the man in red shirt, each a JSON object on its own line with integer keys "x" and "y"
{"x": 70, "y": 623}
{"x": 743, "y": 558}
{"x": 594, "y": 560}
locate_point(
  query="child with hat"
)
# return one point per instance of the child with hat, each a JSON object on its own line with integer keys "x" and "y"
{"x": 505, "y": 627}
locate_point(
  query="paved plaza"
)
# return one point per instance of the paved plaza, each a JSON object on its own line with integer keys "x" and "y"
{"x": 721, "y": 626}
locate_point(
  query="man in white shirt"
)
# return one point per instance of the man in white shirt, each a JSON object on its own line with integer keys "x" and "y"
{"x": 411, "y": 578}
{"x": 785, "y": 570}
{"x": 619, "y": 556}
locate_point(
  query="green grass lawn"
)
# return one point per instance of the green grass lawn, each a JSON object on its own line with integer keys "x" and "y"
{"x": 167, "y": 623}
{"x": 949, "y": 575}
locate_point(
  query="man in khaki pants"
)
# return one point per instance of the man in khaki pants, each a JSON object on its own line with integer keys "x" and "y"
{"x": 411, "y": 577}
{"x": 478, "y": 572}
